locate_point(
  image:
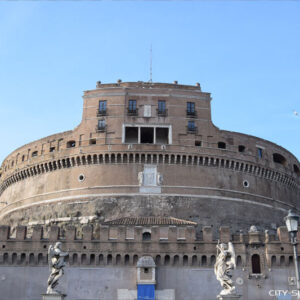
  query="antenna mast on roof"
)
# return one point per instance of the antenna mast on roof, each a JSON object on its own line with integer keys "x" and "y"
{"x": 150, "y": 63}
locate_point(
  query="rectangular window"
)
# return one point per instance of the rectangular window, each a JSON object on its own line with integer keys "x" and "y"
{"x": 101, "y": 125}
{"x": 131, "y": 135}
{"x": 259, "y": 152}
{"x": 161, "y": 105}
{"x": 132, "y": 110}
{"x": 191, "y": 126}
{"x": 102, "y": 107}
{"x": 132, "y": 105}
{"x": 190, "y": 108}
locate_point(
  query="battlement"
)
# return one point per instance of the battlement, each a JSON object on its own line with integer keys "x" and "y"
{"x": 123, "y": 245}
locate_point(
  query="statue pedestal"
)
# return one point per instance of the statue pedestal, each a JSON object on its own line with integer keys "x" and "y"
{"x": 229, "y": 297}
{"x": 53, "y": 296}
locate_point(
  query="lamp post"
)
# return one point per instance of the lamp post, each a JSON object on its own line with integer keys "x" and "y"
{"x": 291, "y": 221}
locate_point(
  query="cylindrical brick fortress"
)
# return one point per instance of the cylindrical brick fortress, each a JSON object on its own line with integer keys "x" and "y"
{"x": 149, "y": 149}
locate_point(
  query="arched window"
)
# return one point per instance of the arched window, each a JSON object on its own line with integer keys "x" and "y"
{"x": 83, "y": 259}
{"x": 167, "y": 260}
{"x": 185, "y": 260}
{"x": 40, "y": 258}
{"x": 31, "y": 258}
{"x": 109, "y": 259}
{"x": 101, "y": 259}
{"x": 146, "y": 236}
{"x": 126, "y": 260}
{"x": 242, "y": 148}
{"x": 282, "y": 261}
{"x": 118, "y": 259}
{"x": 221, "y": 145}
{"x": 255, "y": 260}
{"x": 296, "y": 170}
{"x": 176, "y": 260}
{"x": 92, "y": 259}
{"x": 14, "y": 258}
{"x": 239, "y": 261}
{"x": 71, "y": 144}
{"x": 203, "y": 260}
{"x": 194, "y": 260}
{"x": 75, "y": 258}
{"x": 212, "y": 260}
{"x": 158, "y": 260}
{"x": 273, "y": 261}
{"x": 278, "y": 158}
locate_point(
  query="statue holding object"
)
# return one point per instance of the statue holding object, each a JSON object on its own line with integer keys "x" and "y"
{"x": 56, "y": 259}
{"x": 225, "y": 262}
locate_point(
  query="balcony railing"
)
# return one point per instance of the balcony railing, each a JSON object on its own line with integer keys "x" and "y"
{"x": 101, "y": 128}
{"x": 101, "y": 112}
{"x": 191, "y": 113}
{"x": 162, "y": 112}
{"x": 191, "y": 129}
{"x": 132, "y": 111}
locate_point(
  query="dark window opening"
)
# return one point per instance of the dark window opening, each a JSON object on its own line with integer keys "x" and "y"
{"x": 146, "y": 236}
{"x": 35, "y": 153}
{"x": 23, "y": 157}
{"x": 131, "y": 135}
{"x": 102, "y": 107}
{"x": 296, "y": 170}
{"x": 52, "y": 149}
{"x": 146, "y": 270}
{"x": 162, "y": 136}
{"x": 279, "y": 159}
{"x": 242, "y": 148}
{"x": 221, "y": 145}
{"x": 255, "y": 260}
{"x": 190, "y": 109}
{"x": 71, "y": 144}
{"x": 147, "y": 135}
{"x": 198, "y": 143}
{"x": 101, "y": 125}
{"x": 260, "y": 152}
{"x": 93, "y": 142}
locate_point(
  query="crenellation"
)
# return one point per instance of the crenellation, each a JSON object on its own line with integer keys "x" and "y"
{"x": 87, "y": 233}
{"x": 4, "y": 233}
{"x": 207, "y": 234}
{"x": 54, "y": 233}
{"x": 37, "y": 233}
{"x": 70, "y": 233}
{"x": 21, "y": 233}
{"x": 225, "y": 235}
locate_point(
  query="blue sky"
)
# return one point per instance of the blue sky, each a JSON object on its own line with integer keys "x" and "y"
{"x": 247, "y": 54}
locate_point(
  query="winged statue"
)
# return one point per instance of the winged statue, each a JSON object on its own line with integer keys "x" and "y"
{"x": 56, "y": 260}
{"x": 225, "y": 262}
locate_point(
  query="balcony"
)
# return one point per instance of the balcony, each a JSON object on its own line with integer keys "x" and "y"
{"x": 101, "y": 128}
{"x": 191, "y": 113}
{"x": 162, "y": 112}
{"x": 101, "y": 112}
{"x": 132, "y": 111}
{"x": 190, "y": 129}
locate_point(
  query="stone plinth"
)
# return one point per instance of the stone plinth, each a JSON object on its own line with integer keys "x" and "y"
{"x": 228, "y": 297}
{"x": 53, "y": 297}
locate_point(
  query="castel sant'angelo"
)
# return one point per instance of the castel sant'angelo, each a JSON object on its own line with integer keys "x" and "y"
{"x": 146, "y": 172}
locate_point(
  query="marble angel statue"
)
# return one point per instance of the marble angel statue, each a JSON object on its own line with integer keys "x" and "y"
{"x": 56, "y": 259}
{"x": 224, "y": 264}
